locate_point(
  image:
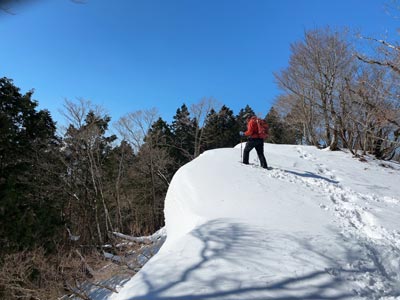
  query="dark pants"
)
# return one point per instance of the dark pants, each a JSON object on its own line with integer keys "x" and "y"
{"x": 259, "y": 145}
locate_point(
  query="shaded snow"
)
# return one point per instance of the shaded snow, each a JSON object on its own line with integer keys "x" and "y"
{"x": 320, "y": 225}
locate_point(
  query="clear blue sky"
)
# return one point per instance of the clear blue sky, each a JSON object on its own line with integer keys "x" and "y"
{"x": 128, "y": 55}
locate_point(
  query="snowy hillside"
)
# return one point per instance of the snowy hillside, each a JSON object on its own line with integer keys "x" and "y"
{"x": 320, "y": 225}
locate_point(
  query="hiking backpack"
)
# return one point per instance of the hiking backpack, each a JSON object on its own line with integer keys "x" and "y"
{"x": 262, "y": 127}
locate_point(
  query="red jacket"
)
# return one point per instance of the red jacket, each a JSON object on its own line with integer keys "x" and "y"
{"x": 252, "y": 128}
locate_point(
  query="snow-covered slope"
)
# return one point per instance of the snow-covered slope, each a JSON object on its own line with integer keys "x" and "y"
{"x": 320, "y": 225}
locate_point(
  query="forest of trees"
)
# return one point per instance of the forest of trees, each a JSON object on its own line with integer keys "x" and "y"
{"x": 62, "y": 197}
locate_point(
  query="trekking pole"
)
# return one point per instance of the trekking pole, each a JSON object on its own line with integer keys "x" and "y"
{"x": 241, "y": 151}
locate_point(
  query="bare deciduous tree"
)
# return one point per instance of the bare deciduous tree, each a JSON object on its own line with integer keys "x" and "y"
{"x": 151, "y": 164}
{"x": 199, "y": 111}
{"x": 314, "y": 78}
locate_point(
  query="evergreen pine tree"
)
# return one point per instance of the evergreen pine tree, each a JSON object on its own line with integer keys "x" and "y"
{"x": 30, "y": 197}
{"x": 276, "y": 131}
{"x": 279, "y": 131}
{"x": 221, "y": 129}
{"x": 161, "y": 133}
{"x": 183, "y": 129}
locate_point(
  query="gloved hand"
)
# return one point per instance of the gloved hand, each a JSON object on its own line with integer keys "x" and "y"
{"x": 241, "y": 133}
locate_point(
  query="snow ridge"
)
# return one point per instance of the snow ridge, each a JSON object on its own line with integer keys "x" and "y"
{"x": 319, "y": 225}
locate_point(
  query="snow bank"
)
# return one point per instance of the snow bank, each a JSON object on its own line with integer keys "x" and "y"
{"x": 320, "y": 225}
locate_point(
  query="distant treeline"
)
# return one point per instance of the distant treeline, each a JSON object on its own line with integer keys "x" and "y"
{"x": 62, "y": 197}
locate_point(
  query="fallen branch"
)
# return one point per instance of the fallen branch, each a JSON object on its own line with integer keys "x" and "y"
{"x": 141, "y": 240}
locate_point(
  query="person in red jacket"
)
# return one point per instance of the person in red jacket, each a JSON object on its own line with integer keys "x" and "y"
{"x": 255, "y": 140}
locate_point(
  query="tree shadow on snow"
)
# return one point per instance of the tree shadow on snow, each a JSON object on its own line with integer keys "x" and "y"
{"x": 223, "y": 242}
{"x": 308, "y": 174}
